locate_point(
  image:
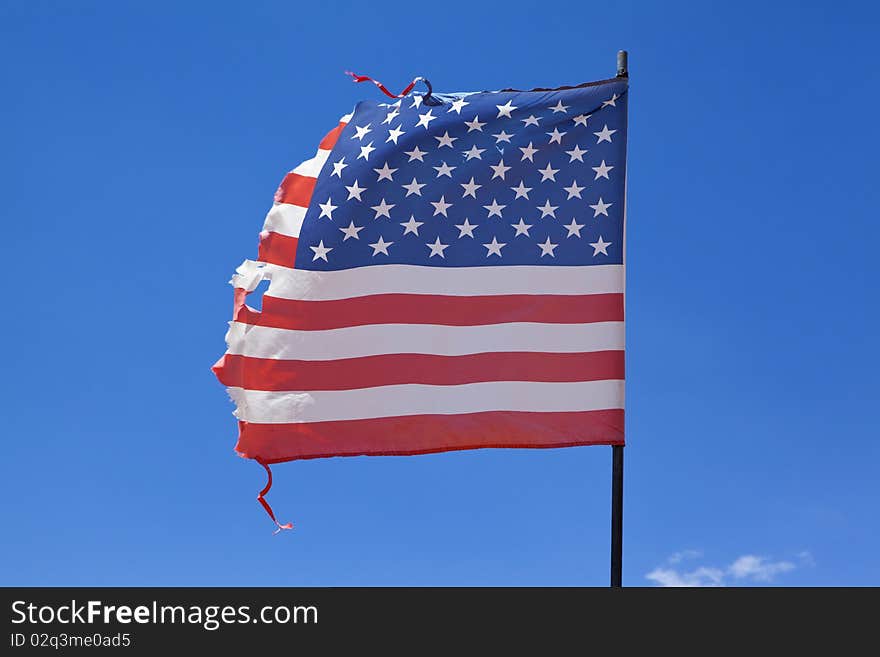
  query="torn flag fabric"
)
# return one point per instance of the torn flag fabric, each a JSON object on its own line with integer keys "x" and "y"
{"x": 446, "y": 273}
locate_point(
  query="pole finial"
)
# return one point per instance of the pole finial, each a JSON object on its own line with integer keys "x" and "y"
{"x": 622, "y": 64}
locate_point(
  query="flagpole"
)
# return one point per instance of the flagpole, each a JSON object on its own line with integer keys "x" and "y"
{"x": 617, "y": 450}
{"x": 617, "y": 516}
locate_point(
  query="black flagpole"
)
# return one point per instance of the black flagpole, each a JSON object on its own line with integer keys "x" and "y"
{"x": 617, "y": 516}
{"x": 617, "y": 450}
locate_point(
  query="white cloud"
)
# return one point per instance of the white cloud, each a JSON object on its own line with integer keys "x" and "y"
{"x": 678, "y": 557}
{"x": 747, "y": 568}
{"x": 758, "y": 569}
{"x": 700, "y": 577}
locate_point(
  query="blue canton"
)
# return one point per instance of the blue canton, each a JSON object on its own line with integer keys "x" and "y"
{"x": 468, "y": 180}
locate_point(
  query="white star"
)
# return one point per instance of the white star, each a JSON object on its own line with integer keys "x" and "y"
{"x": 445, "y": 140}
{"x": 467, "y": 228}
{"x": 365, "y": 151}
{"x": 470, "y": 188}
{"x": 351, "y": 231}
{"x": 417, "y": 102}
{"x": 601, "y": 208}
{"x": 547, "y": 248}
{"x": 394, "y": 134}
{"x": 495, "y": 247}
{"x": 426, "y": 118}
{"x": 576, "y": 154}
{"x": 437, "y": 248}
{"x": 521, "y": 190}
{"x": 385, "y": 173}
{"x": 602, "y": 171}
{"x": 381, "y": 246}
{"x": 574, "y": 228}
{"x": 556, "y": 136}
{"x": 390, "y": 116}
{"x": 475, "y": 124}
{"x": 559, "y": 107}
{"x": 532, "y": 120}
{"x": 499, "y": 169}
{"x": 495, "y": 209}
{"x": 548, "y": 210}
{"x": 321, "y": 251}
{"x": 355, "y": 192}
{"x": 457, "y": 106}
{"x": 528, "y": 152}
{"x": 440, "y": 206}
{"x": 604, "y": 135}
{"x": 614, "y": 97}
{"x": 502, "y": 136}
{"x": 581, "y": 119}
{"x": 412, "y": 226}
{"x": 522, "y": 228}
{"x": 382, "y": 209}
{"x": 327, "y": 209}
{"x": 415, "y": 154}
{"x": 474, "y": 152}
{"x": 361, "y": 131}
{"x": 505, "y": 110}
{"x": 574, "y": 190}
{"x": 415, "y": 187}
{"x": 548, "y": 173}
{"x": 600, "y": 247}
{"x": 444, "y": 170}
{"x": 338, "y": 167}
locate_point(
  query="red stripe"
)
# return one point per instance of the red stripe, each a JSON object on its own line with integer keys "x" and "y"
{"x": 382, "y": 87}
{"x": 423, "y": 434}
{"x": 429, "y": 369}
{"x": 435, "y": 309}
{"x": 296, "y": 190}
{"x": 277, "y": 248}
{"x": 330, "y": 139}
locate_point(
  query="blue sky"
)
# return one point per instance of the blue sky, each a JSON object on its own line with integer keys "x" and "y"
{"x": 141, "y": 145}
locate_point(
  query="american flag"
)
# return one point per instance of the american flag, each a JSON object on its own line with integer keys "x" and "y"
{"x": 446, "y": 273}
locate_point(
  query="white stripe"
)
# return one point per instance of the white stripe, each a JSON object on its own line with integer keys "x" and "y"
{"x": 313, "y": 167}
{"x": 248, "y": 275}
{"x": 286, "y": 219}
{"x": 390, "y": 401}
{"x": 455, "y": 281}
{"x": 377, "y": 339}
